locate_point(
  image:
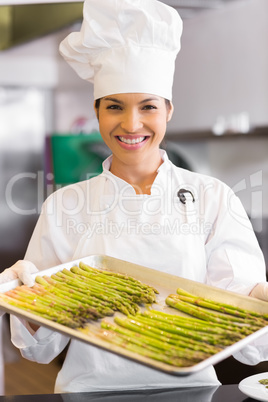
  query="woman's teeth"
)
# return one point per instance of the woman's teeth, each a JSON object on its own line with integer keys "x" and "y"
{"x": 133, "y": 141}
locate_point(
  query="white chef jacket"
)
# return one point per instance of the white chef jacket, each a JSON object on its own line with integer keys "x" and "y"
{"x": 208, "y": 239}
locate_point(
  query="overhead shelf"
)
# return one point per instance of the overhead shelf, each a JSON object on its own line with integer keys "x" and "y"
{"x": 258, "y": 132}
{"x": 21, "y": 23}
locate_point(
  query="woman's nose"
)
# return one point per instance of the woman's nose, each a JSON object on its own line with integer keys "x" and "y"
{"x": 131, "y": 121}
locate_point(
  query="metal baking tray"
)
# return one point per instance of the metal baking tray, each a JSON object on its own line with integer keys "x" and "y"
{"x": 165, "y": 284}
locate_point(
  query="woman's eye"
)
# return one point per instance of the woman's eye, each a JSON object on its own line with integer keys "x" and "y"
{"x": 149, "y": 107}
{"x": 114, "y": 107}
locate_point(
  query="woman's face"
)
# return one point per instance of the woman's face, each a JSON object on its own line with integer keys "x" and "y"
{"x": 133, "y": 126}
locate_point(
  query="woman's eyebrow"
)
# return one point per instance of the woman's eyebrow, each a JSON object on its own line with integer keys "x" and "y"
{"x": 148, "y": 100}
{"x": 113, "y": 100}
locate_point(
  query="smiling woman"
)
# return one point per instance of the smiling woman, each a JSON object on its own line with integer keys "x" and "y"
{"x": 133, "y": 127}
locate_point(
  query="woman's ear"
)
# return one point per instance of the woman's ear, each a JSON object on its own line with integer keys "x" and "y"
{"x": 170, "y": 111}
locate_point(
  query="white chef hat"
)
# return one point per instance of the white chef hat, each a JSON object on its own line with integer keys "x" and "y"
{"x": 126, "y": 46}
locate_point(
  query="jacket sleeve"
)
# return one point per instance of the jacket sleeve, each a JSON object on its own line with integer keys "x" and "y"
{"x": 236, "y": 263}
{"x": 42, "y": 346}
{"x": 234, "y": 259}
{"x": 255, "y": 352}
{"x": 49, "y": 246}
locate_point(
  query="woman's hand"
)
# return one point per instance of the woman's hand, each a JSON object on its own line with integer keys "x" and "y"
{"x": 21, "y": 270}
{"x": 260, "y": 291}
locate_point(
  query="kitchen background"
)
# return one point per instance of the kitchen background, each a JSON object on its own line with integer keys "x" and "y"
{"x": 220, "y": 124}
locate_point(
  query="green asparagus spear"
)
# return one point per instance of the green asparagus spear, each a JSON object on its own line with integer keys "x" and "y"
{"x": 240, "y": 315}
{"x": 122, "y": 304}
{"x": 224, "y": 307}
{"x": 134, "y": 291}
{"x": 166, "y": 336}
{"x": 118, "y": 276}
{"x": 28, "y": 295}
{"x": 104, "y": 308}
{"x": 203, "y": 314}
{"x": 119, "y": 279}
{"x": 155, "y": 344}
{"x": 114, "y": 338}
{"x": 45, "y": 312}
{"x": 184, "y": 322}
{"x": 134, "y": 324}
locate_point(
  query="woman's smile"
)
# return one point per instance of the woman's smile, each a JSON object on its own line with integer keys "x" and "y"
{"x": 132, "y": 142}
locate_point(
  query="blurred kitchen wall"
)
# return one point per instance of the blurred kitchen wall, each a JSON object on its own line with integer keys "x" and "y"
{"x": 221, "y": 72}
{"x": 37, "y": 98}
{"x": 22, "y": 130}
{"x": 221, "y": 102}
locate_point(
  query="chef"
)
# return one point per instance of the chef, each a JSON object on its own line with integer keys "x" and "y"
{"x": 142, "y": 208}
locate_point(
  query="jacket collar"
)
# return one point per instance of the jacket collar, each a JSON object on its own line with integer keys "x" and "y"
{"x": 159, "y": 183}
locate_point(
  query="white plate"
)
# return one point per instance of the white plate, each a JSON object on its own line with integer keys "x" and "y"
{"x": 251, "y": 387}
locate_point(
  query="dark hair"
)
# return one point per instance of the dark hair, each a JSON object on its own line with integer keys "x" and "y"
{"x": 97, "y": 103}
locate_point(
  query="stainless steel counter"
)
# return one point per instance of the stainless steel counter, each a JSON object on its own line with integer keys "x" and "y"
{"x": 229, "y": 393}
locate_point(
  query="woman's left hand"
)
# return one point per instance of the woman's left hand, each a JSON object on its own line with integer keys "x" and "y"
{"x": 21, "y": 270}
{"x": 260, "y": 291}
